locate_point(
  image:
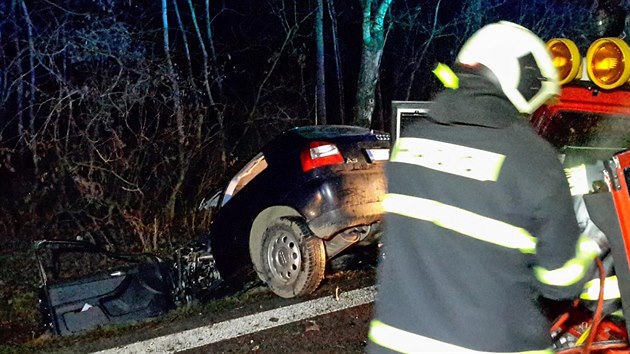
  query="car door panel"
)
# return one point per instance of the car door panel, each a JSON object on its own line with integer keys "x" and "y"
{"x": 122, "y": 295}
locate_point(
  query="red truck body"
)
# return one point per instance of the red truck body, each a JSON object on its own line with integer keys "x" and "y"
{"x": 581, "y": 112}
{"x": 595, "y": 122}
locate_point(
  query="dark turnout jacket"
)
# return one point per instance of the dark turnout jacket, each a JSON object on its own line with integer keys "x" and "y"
{"x": 479, "y": 226}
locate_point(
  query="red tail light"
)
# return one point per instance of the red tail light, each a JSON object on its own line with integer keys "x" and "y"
{"x": 320, "y": 153}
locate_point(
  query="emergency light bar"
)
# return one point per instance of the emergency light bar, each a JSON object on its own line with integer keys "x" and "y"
{"x": 566, "y": 58}
{"x": 607, "y": 61}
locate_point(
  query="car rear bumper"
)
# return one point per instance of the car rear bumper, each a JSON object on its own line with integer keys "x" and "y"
{"x": 352, "y": 198}
{"x": 332, "y": 222}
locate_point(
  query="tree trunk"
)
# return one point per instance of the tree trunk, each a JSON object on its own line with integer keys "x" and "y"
{"x": 182, "y": 29}
{"x": 368, "y": 76}
{"x": 321, "y": 77}
{"x": 418, "y": 58}
{"x": 373, "y": 43}
{"x": 213, "y": 53}
{"x": 337, "y": 54}
{"x": 204, "y": 52}
{"x": 179, "y": 117}
{"x": 19, "y": 74}
{"x": 31, "y": 107}
{"x": 207, "y": 76}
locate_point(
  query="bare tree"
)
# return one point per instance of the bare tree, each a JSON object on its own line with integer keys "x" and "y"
{"x": 207, "y": 76}
{"x": 543, "y": 19}
{"x": 184, "y": 35}
{"x": 419, "y": 53}
{"x": 291, "y": 27}
{"x": 320, "y": 96}
{"x": 337, "y": 55}
{"x": 32, "y": 85}
{"x": 179, "y": 117}
{"x": 373, "y": 32}
{"x": 218, "y": 78}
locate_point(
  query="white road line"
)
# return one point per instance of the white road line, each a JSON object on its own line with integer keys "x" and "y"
{"x": 249, "y": 324}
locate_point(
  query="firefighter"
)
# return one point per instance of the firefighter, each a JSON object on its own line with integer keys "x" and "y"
{"x": 479, "y": 223}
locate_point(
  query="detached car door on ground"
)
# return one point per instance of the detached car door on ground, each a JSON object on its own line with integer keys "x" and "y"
{"x": 84, "y": 286}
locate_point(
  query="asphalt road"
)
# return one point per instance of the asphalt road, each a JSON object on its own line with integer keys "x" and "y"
{"x": 334, "y": 319}
{"x": 271, "y": 327}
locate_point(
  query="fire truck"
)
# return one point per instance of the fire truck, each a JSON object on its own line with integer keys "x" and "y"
{"x": 589, "y": 124}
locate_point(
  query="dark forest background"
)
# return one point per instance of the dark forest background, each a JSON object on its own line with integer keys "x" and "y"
{"x": 118, "y": 116}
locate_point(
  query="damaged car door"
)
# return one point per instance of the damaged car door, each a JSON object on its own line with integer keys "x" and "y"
{"x": 84, "y": 286}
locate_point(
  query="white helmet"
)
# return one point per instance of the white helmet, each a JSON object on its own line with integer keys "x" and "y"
{"x": 520, "y": 61}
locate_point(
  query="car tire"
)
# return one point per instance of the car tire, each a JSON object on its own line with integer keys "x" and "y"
{"x": 292, "y": 260}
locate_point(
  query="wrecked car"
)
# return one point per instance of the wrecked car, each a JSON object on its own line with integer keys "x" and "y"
{"x": 307, "y": 196}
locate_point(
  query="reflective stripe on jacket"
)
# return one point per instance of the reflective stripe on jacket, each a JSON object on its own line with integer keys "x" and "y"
{"x": 483, "y": 166}
{"x": 611, "y": 289}
{"x": 407, "y": 342}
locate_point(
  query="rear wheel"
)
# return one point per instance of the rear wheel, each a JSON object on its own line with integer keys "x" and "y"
{"x": 291, "y": 260}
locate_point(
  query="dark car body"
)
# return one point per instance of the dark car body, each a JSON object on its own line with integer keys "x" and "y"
{"x": 334, "y": 197}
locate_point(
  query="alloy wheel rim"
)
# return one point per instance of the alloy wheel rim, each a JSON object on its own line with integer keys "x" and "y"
{"x": 284, "y": 256}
